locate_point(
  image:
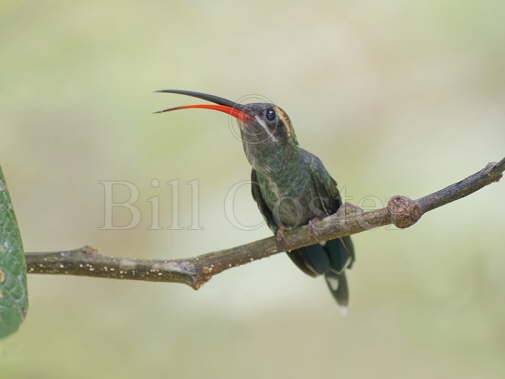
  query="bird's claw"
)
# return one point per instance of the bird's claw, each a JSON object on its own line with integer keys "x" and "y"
{"x": 348, "y": 209}
{"x": 280, "y": 237}
{"x": 314, "y": 228}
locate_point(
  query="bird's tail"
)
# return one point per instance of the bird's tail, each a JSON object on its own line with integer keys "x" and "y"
{"x": 337, "y": 284}
{"x": 331, "y": 259}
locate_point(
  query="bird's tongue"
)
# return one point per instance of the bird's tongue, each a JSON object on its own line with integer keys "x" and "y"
{"x": 237, "y": 113}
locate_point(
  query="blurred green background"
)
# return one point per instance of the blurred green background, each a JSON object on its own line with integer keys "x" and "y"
{"x": 396, "y": 97}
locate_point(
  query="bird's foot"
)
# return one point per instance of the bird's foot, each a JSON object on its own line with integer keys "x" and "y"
{"x": 348, "y": 209}
{"x": 314, "y": 228}
{"x": 280, "y": 237}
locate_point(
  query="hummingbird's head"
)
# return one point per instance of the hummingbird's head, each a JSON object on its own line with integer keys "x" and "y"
{"x": 265, "y": 128}
{"x": 268, "y": 124}
{"x": 261, "y": 123}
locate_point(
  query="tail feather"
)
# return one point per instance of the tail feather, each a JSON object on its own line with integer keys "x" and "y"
{"x": 330, "y": 259}
{"x": 312, "y": 260}
{"x": 337, "y": 284}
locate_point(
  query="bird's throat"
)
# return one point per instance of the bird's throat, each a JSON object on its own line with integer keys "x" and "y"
{"x": 271, "y": 160}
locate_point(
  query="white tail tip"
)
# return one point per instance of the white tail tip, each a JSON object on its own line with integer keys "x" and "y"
{"x": 343, "y": 310}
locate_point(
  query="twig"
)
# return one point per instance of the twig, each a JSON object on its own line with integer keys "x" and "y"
{"x": 400, "y": 211}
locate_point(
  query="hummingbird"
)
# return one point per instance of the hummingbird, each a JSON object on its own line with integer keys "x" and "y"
{"x": 290, "y": 185}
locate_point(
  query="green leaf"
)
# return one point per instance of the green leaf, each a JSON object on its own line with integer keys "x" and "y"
{"x": 13, "y": 289}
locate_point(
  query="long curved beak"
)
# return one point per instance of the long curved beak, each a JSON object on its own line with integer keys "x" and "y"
{"x": 223, "y": 105}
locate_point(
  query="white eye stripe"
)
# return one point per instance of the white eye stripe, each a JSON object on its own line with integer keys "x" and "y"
{"x": 265, "y": 127}
{"x": 286, "y": 122}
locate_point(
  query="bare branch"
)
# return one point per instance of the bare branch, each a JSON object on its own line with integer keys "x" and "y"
{"x": 400, "y": 211}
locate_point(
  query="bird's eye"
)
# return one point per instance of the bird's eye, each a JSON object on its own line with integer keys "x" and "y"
{"x": 270, "y": 114}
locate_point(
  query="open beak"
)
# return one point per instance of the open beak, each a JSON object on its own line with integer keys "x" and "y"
{"x": 223, "y": 105}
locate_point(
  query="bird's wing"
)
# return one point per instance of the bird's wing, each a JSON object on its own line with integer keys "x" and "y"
{"x": 262, "y": 205}
{"x": 327, "y": 192}
{"x": 325, "y": 186}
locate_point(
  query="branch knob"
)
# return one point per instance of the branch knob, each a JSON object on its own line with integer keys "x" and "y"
{"x": 404, "y": 212}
